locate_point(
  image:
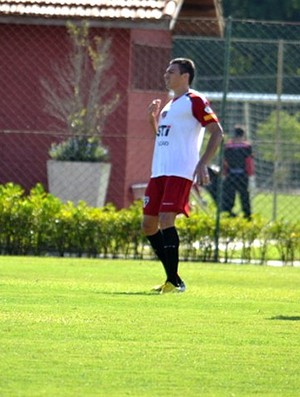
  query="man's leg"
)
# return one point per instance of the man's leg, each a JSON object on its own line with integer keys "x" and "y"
{"x": 228, "y": 195}
{"x": 157, "y": 243}
{"x": 245, "y": 196}
{"x": 171, "y": 245}
{"x": 168, "y": 256}
{"x": 156, "y": 239}
{"x": 164, "y": 191}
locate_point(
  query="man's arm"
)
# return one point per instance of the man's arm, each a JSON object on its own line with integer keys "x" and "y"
{"x": 216, "y": 136}
{"x": 153, "y": 112}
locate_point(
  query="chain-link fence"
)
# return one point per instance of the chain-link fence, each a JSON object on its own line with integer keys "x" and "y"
{"x": 34, "y": 54}
{"x": 251, "y": 75}
{"x": 256, "y": 85}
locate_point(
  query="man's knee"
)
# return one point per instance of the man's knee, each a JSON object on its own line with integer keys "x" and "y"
{"x": 149, "y": 225}
{"x": 167, "y": 219}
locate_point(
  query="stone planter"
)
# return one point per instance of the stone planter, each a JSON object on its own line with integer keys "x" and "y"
{"x": 75, "y": 181}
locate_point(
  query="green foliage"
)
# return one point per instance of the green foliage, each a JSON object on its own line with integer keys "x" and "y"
{"x": 39, "y": 223}
{"x": 15, "y": 220}
{"x": 79, "y": 149}
{"x": 197, "y": 236}
{"x": 287, "y": 237}
{"x": 276, "y": 10}
{"x": 289, "y": 125}
{"x": 44, "y": 208}
{"x": 229, "y": 228}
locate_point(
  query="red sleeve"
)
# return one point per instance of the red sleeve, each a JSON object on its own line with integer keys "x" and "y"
{"x": 202, "y": 111}
{"x": 249, "y": 166}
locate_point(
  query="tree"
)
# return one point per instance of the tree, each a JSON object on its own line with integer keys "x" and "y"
{"x": 276, "y": 10}
{"x": 77, "y": 95}
{"x": 289, "y": 126}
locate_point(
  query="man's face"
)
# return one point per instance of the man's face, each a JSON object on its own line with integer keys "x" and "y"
{"x": 173, "y": 78}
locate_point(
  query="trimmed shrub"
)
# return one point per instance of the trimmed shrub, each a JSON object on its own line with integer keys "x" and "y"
{"x": 39, "y": 223}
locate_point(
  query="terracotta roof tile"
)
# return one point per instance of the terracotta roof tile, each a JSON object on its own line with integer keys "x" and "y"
{"x": 100, "y": 9}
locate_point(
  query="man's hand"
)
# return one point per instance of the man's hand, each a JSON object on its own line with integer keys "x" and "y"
{"x": 201, "y": 175}
{"x": 154, "y": 108}
{"x": 153, "y": 111}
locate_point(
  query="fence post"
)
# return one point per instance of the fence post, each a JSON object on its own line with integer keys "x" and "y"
{"x": 277, "y": 142}
{"x": 222, "y": 116}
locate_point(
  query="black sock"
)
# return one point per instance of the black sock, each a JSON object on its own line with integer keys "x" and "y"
{"x": 157, "y": 243}
{"x": 171, "y": 245}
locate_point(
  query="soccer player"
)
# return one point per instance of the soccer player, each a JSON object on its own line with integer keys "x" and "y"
{"x": 179, "y": 129}
{"x": 238, "y": 167}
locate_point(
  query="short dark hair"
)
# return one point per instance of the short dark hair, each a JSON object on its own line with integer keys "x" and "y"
{"x": 239, "y": 131}
{"x": 186, "y": 65}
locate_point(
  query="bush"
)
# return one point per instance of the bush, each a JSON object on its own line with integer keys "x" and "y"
{"x": 39, "y": 223}
{"x": 79, "y": 149}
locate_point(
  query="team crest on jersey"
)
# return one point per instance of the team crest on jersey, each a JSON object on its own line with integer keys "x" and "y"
{"x": 164, "y": 114}
{"x": 146, "y": 201}
{"x": 208, "y": 109}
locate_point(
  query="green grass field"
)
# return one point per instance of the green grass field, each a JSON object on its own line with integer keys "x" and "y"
{"x": 263, "y": 204}
{"x": 287, "y": 206}
{"x": 79, "y": 327}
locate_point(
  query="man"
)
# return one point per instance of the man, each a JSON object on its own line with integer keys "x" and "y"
{"x": 176, "y": 164}
{"x": 238, "y": 167}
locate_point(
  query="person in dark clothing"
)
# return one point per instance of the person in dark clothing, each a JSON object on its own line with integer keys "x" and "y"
{"x": 238, "y": 167}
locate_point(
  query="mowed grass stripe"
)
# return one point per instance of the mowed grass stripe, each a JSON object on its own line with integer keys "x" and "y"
{"x": 83, "y": 327}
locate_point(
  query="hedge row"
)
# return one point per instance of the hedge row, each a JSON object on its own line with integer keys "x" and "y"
{"x": 39, "y": 223}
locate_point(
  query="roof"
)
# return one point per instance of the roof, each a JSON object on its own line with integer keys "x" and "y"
{"x": 201, "y": 8}
{"x": 112, "y": 12}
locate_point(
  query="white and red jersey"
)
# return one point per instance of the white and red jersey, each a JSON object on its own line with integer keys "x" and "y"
{"x": 180, "y": 134}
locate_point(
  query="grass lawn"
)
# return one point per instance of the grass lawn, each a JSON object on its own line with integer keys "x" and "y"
{"x": 79, "y": 327}
{"x": 263, "y": 205}
{"x": 287, "y": 206}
